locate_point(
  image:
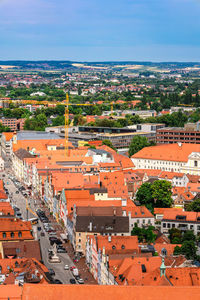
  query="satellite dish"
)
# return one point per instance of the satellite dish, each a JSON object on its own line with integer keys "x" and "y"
{"x": 164, "y": 252}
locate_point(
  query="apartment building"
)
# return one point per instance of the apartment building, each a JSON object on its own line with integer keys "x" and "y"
{"x": 13, "y": 123}
{"x": 6, "y": 144}
{"x": 99, "y": 249}
{"x": 190, "y": 133}
{"x": 101, "y": 221}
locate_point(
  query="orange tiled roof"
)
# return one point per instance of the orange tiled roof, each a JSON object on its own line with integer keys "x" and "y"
{"x": 137, "y": 211}
{"x": 8, "y": 135}
{"x": 169, "y": 152}
{"x": 170, "y": 175}
{"x": 112, "y": 292}
{"x": 174, "y": 276}
{"x": 161, "y": 210}
{"x": 168, "y": 247}
{"x": 121, "y": 243}
{"x": 190, "y": 215}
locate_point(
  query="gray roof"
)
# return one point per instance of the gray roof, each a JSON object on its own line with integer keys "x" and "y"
{"x": 100, "y": 151}
{"x": 36, "y": 135}
{"x": 102, "y": 224}
{"x": 99, "y": 211}
{"x": 22, "y": 153}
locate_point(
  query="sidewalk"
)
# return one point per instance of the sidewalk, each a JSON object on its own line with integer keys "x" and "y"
{"x": 81, "y": 265}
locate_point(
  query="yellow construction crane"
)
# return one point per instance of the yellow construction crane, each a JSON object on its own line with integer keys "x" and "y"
{"x": 67, "y": 118}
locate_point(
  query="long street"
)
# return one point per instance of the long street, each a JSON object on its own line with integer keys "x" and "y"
{"x": 20, "y": 201}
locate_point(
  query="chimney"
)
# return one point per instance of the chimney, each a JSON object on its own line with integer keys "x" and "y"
{"x": 90, "y": 226}
{"x": 109, "y": 238}
{"x": 15, "y": 138}
{"x": 124, "y": 202}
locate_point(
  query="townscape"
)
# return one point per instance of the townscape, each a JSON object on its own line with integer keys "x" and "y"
{"x": 99, "y": 180}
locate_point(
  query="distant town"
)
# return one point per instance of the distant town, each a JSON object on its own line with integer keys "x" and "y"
{"x": 99, "y": 179}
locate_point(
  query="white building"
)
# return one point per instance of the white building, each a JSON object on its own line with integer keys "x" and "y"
{"x": 1, "y": 164}
{"x": 183, "y": 220}
{"x": 183, "y": 158}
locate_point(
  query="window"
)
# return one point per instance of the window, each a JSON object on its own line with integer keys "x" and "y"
{"x": 79, "y": 240}
{"x": 164, "y": 225}
{"x": 4, "y": 234}
{"x": 195, "y": 163}
{"x": 12, "y": 234}
{"x": 19, "y": 234}
{"x": 168, "y": 225}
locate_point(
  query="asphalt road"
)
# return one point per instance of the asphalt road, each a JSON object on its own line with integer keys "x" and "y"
{"x": 20, "y": 201}
{"x": 61, "y": 274}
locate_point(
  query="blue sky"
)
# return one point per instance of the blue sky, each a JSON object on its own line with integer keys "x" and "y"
{"x": 100, "y": 30}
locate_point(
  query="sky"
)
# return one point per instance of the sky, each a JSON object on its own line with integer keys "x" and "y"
{"x": 100, "y": 30}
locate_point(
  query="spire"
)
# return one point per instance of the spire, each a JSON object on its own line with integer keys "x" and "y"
{"x": 162, "y": 267}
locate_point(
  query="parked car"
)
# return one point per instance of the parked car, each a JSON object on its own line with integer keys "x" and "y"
{"x": 42, "y": 233}
{"x": 58, "y": 242}
{"x": 57, "y": 281}
{"x": 66, "y": 267}
{"x": 39, "y": 228}
{"x": 17, "y": 192}
{"x": 61, "y": 250}
{"x": 16, "y": 208}
{"x": 71, "y": 268}
{"x": 72, "y": 281}
{"x": 52, "y": 233}
{"x": 51, "y": 272}
{"x": 80, "y": 281}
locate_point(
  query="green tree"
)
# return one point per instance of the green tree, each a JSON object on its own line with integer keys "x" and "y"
{"x": 188, "y": 249}
{"x": 153, "y": 195}
{"x": 175, "y": 236}
{"x": 58, "y": 121}
{"x": 194, "y": 206}
{"x": 144, "y": 196}
{"x": 38, "y": 123}
{"x": 137, "y": 143}
{"x": 144, "y": 234}
{"x": 109, "y": 144}
{"x": 189, "y": 236}
{"x": 162, "y": 192}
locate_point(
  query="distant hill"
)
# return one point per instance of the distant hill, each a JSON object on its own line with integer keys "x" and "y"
{"x": 65, "y": 65}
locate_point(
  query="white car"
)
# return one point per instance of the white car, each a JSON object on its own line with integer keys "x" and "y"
{"x": 66, "y": 267}
{"x": 80, "y": 281}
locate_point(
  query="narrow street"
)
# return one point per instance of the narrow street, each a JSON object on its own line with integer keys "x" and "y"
{"x": 20, "y": 201}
